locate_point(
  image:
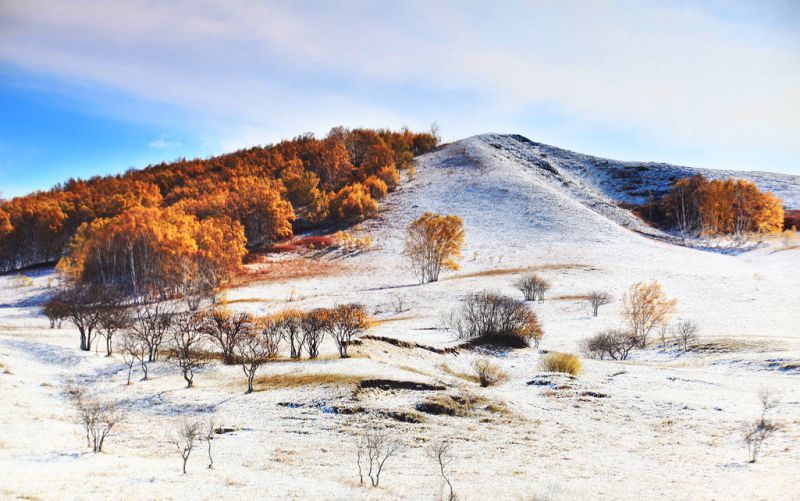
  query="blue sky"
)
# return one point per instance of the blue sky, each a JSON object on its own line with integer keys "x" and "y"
{"x": 90, "y": 87}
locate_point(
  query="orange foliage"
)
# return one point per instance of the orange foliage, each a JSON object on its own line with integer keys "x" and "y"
{"x": 353, "y": 203}
{"x": 267, "y": 190}
{"x": 434, "y": 241}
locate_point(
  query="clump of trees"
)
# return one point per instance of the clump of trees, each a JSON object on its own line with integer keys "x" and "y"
{"x": 697, "y": 206}
{"x": 433, "y": 242}
{"x": 487, "y": 317}
{"x": 254, "y": 196}
{"x": 533, "y": 287}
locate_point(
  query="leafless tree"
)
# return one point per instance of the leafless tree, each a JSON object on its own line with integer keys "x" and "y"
{"x": 291, "y": 327}
{"x": 150, "y": 324}
{"x": 134, "y": 349}
{"x": 187, "y": 340}
{"x": 374, "y": 448}
{"x": 314, "y": 324}
{"x": 82, "y": 305}
{"x": 398, "y": 303}
{"x": 225, "y": 328}
{"x": 188, "y": 433}
{"x": 114, "y": 317}
{"x": 97, "y": 418}
{"x": 533, "y": 287}
{"x": 664, "y": 336}
{"x": 686, "y": 332}
{"x": 494, "y": 318}
{"x": 208, "y": 436}
{"x": 755, "y": 433}
{"x": 440, "y": 452}
{"x": 344, "y": 323}
{"x": 597, "y": 299}
{"x": 255, "y": 349}
{"x": 613, "y": 343}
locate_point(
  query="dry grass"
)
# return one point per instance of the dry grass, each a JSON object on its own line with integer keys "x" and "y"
{"x": 461, "y": 405}
{"x": 488, "y": 372}
{"x": 472, "y": 378}
{"x": 561, "y": 362}
{"x": 570, "y": 297}
{"x": 524, "y": 269}
{"x": 280, "y": 270}
{"x": 294, "y": 380}
{"x": 252, "y": 300}
{"x": 394, "y": 319}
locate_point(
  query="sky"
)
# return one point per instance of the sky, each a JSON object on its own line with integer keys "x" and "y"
{"x": 98, "y": 87}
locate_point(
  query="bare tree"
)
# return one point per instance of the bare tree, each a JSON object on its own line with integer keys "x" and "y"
{"x": 291, "y": 328}
{"x": 314, "y": 324}
{"x": 208, "y": 436}
{"x": 686, "y": 332}
{"x": 134, "y": 349}
{"x": 150, "y": 324}
{"x": 225, "y": 328}
{"x": 185, "y": 438}
{"x": 97, "y": 418}
{"x": 345, "y": 322}
{"x": 257, "y": 348}
{"x": 114, "y": 317}
{"x": 597, "y": 299}
{"x": 664, "y": 336}
{"x": 754, "y": 434}
{"x": 613, "y": 343}
{"x": 82, "y": 305}
{"x": 187, "y": 340}
{"x": 494, "y": 318}
{"x": 440, "y": 452}
{"x": 398, "y": 303}
{"x": 374, "y": 448}
{"x": 533, "y": 287}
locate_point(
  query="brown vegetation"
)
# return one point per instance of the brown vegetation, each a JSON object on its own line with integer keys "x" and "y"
{"x": 434, "y": 241}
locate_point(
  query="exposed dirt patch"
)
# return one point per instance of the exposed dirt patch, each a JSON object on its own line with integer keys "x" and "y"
{"x": 408, "y": 344}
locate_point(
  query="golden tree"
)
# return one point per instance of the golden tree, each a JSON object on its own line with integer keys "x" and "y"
{"x": 434, "y": 241}
{"x": 645, "y": 306}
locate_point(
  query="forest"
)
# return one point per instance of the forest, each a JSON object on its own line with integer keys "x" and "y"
{"x": 192, "y": 221}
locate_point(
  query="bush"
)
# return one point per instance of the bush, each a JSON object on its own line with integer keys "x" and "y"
{"x": 495, "y": 319}
{"x": 562, "y": 362}
{"x": 533, "y": 287}
{"x": 488, "y": 372}
{"x": 613, "y": 343}
{"x": 353, "y": 203}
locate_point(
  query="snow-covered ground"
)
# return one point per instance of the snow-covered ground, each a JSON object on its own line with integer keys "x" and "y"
{"x": 658, "y": 426}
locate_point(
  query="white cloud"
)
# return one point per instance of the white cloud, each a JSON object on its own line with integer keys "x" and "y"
{"x": 670, "y": 71}
{"x": 163, "y": 144}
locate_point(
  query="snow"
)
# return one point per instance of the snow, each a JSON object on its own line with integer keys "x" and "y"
{"x": 667, "y": 429}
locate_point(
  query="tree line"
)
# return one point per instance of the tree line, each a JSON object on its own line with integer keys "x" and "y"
{"x": 120, "y": 229}
{"x": 696, "y": 206}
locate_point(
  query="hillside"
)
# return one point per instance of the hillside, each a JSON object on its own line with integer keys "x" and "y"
{"x": 660, "y": 425}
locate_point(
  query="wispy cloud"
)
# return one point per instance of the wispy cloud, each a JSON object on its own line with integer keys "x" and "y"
{"x": 162, "y": 143}
{"x": 720, "y": 78}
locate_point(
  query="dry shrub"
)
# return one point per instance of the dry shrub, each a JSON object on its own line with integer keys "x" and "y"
{"x": 486, "y": 317}
{"x": 489, "y": 373}
{"x": 613, "y": 343}
{"x": 561, "y": 362}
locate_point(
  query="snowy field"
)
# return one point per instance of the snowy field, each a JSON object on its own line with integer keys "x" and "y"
{"x": 661, "y": 425}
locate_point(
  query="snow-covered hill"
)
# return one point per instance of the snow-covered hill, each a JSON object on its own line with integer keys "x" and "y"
{"x": 661, "y": 425}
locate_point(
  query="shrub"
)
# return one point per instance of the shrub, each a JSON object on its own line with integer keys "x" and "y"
{"x": 613, "y": 343}
{"x": 377, "y": 187}
{"x": 389, "y": 176}
{"x": 488, "y": 372}
{"x": 434, "y": 241}
{"x": 97, "y": 418}
{"x": 496, "y": 319}
{"x": 561, "y": 362}
{"x": 755, "y": 433}
{"x": 533, "y": 287}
